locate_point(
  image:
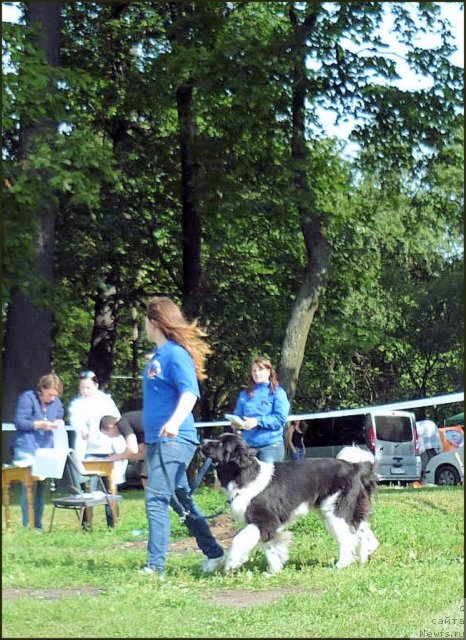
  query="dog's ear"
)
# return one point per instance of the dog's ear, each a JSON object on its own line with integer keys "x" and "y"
{"x": 244, "y": 457}
{"x": 229, "y": 447}
{"x": 236, "y": 450}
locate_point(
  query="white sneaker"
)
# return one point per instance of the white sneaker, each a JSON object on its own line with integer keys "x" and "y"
{"x": 212, "y": 564}
{"x": 148, "y": 570}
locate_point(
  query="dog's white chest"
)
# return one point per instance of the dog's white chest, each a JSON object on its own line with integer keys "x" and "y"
{"x": 239, "y": 501}
{"x": 240, "y": 498}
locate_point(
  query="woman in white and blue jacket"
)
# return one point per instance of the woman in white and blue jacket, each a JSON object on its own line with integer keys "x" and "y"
{"x": 264, "y": 407}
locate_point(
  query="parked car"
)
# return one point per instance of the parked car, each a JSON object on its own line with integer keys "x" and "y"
{"x": 446, "y": 469}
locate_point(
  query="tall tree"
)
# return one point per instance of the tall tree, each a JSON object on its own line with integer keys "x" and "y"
{"x": 191, "y": 228}
{"x": 28, "y": 333}
{"x": 317, "y": 247}
{"x": 340, "y": 62}
{"x": 240, "y": 88}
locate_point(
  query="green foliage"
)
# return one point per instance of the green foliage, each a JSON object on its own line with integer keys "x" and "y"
{"x": 387, "y": 328}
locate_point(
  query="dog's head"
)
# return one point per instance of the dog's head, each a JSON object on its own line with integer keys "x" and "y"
{"x": 228, "y": 448}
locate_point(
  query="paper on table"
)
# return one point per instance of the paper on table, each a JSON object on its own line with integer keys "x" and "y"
{"x": 49, "y": 463}
{"x": 60, "y": 438}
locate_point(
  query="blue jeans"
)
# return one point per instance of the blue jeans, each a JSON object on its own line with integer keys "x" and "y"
{"x": 176, "y": 456}
{"x": 297, "y": 455}
{"x": 272, "y": 452}
{"x": 39, "y": 502}
{"x": 38, "y": 492}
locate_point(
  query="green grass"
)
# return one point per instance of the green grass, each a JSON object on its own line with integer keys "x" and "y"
{"x": 413, "y": 585}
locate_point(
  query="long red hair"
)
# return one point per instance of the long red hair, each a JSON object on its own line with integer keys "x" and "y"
{"x": 173, "y": 324}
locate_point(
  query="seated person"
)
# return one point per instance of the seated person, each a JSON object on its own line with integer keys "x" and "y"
{"x": 130, "y": 427}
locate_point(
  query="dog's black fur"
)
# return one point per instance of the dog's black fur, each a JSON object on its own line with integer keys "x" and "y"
{"x": 292, "y": 486}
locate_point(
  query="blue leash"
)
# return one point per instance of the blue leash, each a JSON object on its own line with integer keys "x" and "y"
{"x": 194, "y": 486}
{"x": 197, "y": 482}
{"x": 200, "y": 476}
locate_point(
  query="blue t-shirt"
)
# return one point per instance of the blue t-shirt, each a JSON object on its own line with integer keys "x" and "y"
{"x": 169, "y": 373}
{"x": 271, "y": 411}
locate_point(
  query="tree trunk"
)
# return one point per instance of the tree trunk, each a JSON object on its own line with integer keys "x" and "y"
{"x": 317, "y": 247}
{"x": 104, "y": 334}
{"x": 100, "y": 358}
{"x": 191, "y": 221}
{"x": 174, "y": 15}
{"x": 304, "y": 308}
{"x": 28, "y": 332}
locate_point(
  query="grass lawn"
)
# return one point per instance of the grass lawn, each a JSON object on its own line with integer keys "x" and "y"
{"x": 71, "y": 584}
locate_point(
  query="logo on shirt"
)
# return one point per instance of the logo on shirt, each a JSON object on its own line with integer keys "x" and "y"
{"x": 155, "y": 369}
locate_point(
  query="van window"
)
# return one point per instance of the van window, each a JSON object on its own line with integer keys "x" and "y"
{"x": 327, "y": 432}
{"x": 319, "y": 433}
{"x": 393, "y": 428}
{"x": 349, "y": 430}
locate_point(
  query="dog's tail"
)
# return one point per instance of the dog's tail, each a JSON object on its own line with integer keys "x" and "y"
{"x": 355, "y": 455}
{"x": 366, "y": 466}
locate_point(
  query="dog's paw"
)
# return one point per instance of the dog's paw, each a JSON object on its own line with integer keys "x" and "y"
{"x": 272, "y": 572}
{"x": 232, "y": 564}
{"x": 344, "y": 562}
{"x": 366, "y": 555}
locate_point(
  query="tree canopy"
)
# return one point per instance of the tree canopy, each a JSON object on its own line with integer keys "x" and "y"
{"x": 187, "y": 157}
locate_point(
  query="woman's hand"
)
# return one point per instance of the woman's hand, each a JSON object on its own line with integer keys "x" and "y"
{"x": 168, "y": 431}
{"x": 44, "y": 424}
{"x": 184, "y": 407}
{"x": 249, "y": 423}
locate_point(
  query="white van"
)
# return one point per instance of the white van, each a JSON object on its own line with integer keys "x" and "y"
{"x": 390, "y": 435}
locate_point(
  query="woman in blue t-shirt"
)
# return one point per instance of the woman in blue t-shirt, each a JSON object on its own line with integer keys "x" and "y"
{"x": 170, "y": 391}
{"x": 264, "y": 407}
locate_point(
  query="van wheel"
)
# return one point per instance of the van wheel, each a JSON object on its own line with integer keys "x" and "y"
{"x": 447, "y": 476}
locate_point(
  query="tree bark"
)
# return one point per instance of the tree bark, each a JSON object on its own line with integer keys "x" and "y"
{"x": 103, "y": 338}
{"x": 28, "y": 331}
{"x": 191, "y": 221}
{"x": 174, "y": 15}
{"x": 104, "y": 331}
{"x": 317, "y": 248}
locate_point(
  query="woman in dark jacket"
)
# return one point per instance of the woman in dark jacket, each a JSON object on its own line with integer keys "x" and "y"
{"x": 38, "y": 413}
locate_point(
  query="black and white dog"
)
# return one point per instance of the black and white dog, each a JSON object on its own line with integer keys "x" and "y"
{"x": 267, "y": 497}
